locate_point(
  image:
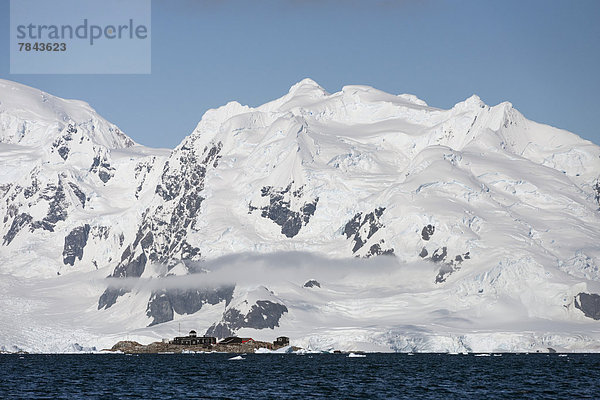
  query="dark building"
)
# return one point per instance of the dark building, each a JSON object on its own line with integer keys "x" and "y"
{"x": 282, "y": 341}
{"x": 235, "y": 340}
{"x": 193, "y": 340}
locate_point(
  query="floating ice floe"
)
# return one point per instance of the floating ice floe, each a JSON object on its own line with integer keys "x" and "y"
{"x": 354, "y": 355}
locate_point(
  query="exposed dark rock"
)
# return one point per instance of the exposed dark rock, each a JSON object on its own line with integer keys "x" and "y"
{"x": 589, "y": 304}
{"x": 159, "y": 308}
{"x": 373, "y": 220}
{"x": 308, "y": 210}
{"x": 32, "y": 189}
{"x": 102, "y": 167}
{"x": 130, "y": 347}
{"x": 423, "y": 253}
{"x": 358, "y": 243}
{"x": 131, "y": 269}
{"x": 184, "y": 301}
{"x": 126, "y": 253}
{"x": 95, "y": 164}
{"x": 597, "y": 190}
{"x": 222, "y": 329}
{"x": 75, "y": 241}
{"x": 127, "y": 268}
{"x": 100, "y": 232}
{"x": 57, "y": 207}
{"x": 162, "y": 235}
{"x": 427, "y": 232}
{"x": 312, "y": 283}
{"x": 448, "y": 267}
{"x": 353, "y": 226}
{"x": 11, "y": 212}
{"x": 439, "y": 254}
{"x": 445, "y": 269}
{"x": 63, "y": 151}
{"x": 264, "y": 314}
{"x": 280, "y": 212}
{"x": 183, "y": 187}
{"x": 147, "y": 241}
{"x": 376, "y": 250}
{"x": 361, "y": 229}
{"x": 18, "y": 222}
{"x": 61, "y": 143}
{"x": 141, "y": 172}
{"x": 110, "y": 296}
{"x": 79, "y": 193}
{"x": 104, "y": 176}
{"x": 190, "y": 301}
{"x": 168, "y": 187}
{"x": 13, "y": 194}
{"x": 4, "y": 188}
{"x": 189, "y": 252}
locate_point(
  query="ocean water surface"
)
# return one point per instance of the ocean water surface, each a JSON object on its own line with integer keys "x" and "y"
{"x": 311, "y": 376}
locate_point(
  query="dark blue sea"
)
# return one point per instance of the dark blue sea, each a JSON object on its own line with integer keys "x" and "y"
{"x": 327, "y": 376}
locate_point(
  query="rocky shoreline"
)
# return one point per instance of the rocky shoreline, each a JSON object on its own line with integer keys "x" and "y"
{"x": 131, "y": 347}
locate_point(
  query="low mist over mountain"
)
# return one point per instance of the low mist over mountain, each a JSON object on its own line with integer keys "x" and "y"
{"x": 357, "y": 220}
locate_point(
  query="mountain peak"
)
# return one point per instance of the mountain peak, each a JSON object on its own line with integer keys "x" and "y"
{"x": 470, "y": 103}
{"x": 27, "y": 113}
{"x": 305, "y": 83}
{"x": 308, "y": 87}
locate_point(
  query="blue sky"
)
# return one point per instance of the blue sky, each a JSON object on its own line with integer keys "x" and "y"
{"x": 543, "y": 56}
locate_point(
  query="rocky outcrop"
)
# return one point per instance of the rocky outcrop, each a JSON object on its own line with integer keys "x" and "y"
{"x": 61, "y": 143}
{"x": 439, "y": 255}
{"x": 312, "y": 283}
{"x": 589, "y": 304}
{"x": 162, "y": 234}
{"x": 78, "y": 193}
{"x": 280, "y": 210}
{"x": 132, "y": 347}
{"x": 263, "y": 314}
{"x": 133, "y": 268}
{"x": 377, "y": 250}
{"x": 362, "y": 227}
{"x": 57, "y": 207}
{"x": 17, "y": 224}
{"x": 163, "y": 304}
{"x": 102, "y": 168}
{"x": 427, "y": 232}
{"x": 448, "y": 266}
{"x": 75, "y": 241}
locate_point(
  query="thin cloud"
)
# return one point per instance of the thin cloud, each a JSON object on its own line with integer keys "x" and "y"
{"x": 265, "y": 269}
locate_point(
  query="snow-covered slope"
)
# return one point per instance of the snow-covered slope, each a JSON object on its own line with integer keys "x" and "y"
{"x": 70, "y": 181}
{"x": 492, "y": 220}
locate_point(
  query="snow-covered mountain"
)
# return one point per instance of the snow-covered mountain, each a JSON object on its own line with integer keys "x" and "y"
{"x": 353, "y": 220}
{"x": 69, "y": 181}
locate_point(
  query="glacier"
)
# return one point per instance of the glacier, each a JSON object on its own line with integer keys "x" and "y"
{"x": 356, "y": 220}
